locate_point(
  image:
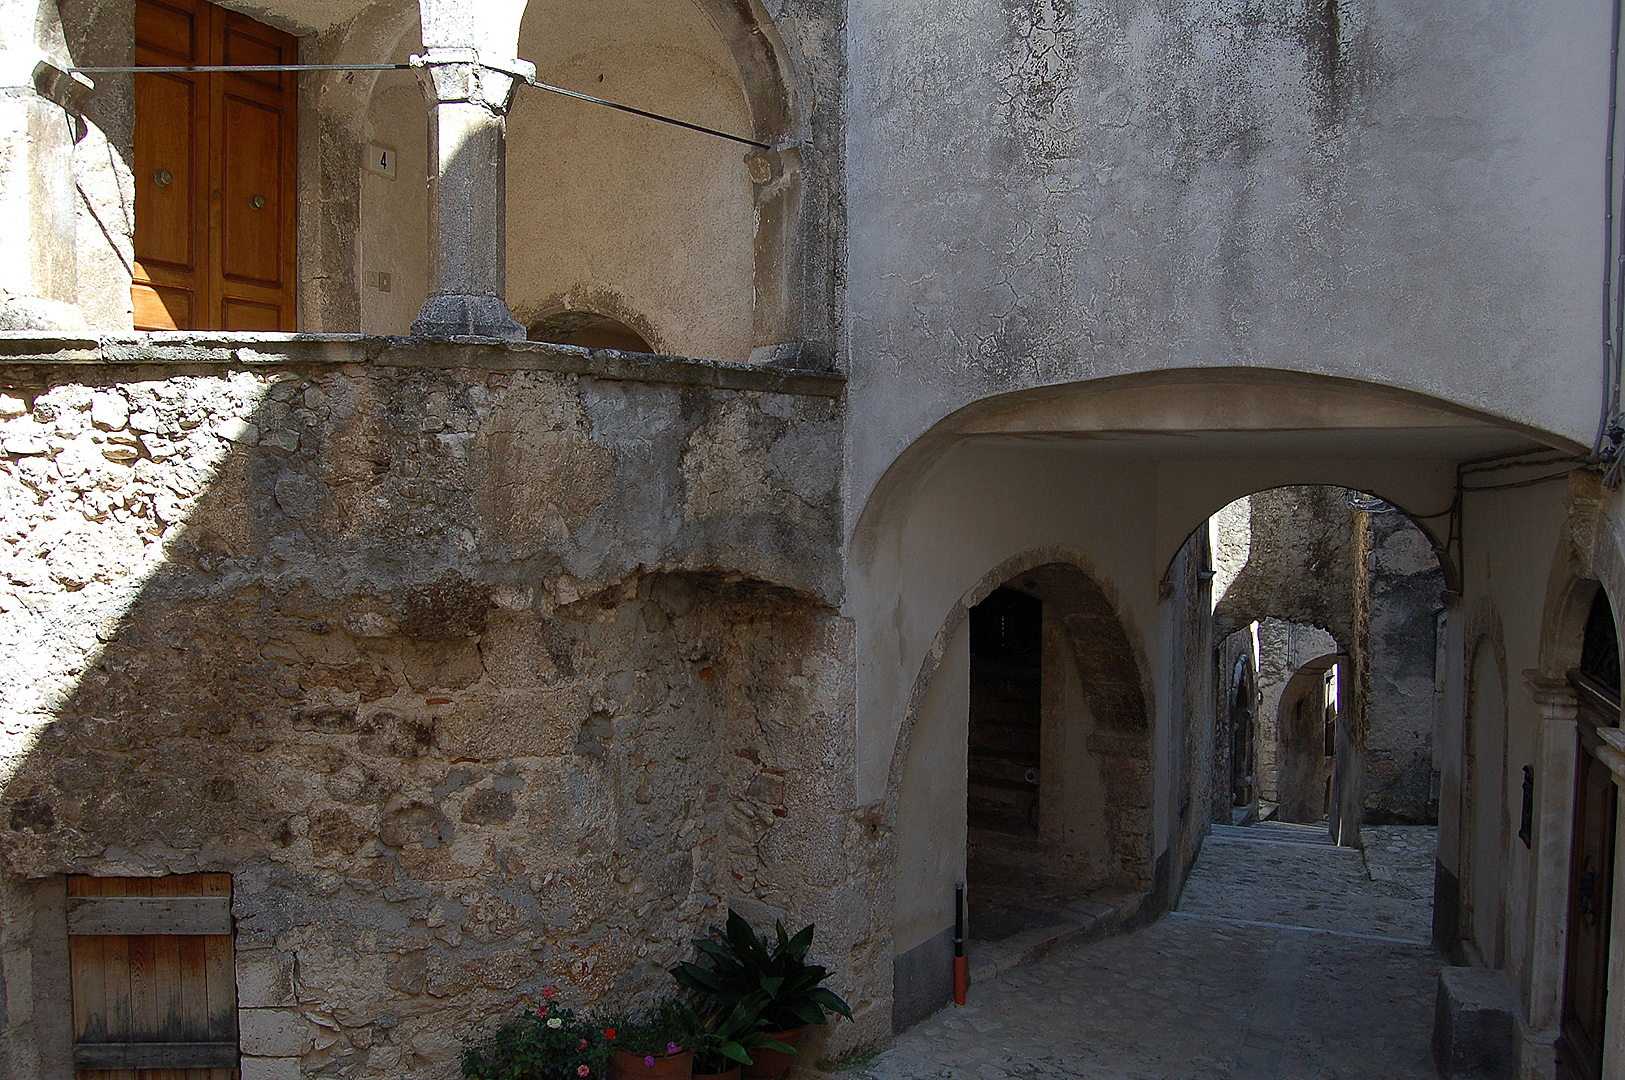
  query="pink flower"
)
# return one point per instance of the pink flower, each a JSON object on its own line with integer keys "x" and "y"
{"x": 649, "y": 1062}
{"x": 671, "y": 1048}
{"x": 542, "y": 1011}
{"x": 582, "y": 1070}
{"x": 582, "y": 1045}
{"x": 550, "y": 992}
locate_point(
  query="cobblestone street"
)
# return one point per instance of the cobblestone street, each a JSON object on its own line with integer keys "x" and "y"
{"x": 1288, "y": 959}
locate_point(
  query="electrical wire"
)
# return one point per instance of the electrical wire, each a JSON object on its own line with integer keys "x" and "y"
{"x": 181, "y": 69}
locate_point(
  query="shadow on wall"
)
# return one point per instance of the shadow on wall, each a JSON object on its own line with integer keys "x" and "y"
{"x": 386, "y": 645}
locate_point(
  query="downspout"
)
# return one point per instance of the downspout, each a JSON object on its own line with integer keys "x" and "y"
{"x": 1606, "y": 446}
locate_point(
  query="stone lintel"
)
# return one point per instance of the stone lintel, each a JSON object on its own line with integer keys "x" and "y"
{"x": 21, "y": 350}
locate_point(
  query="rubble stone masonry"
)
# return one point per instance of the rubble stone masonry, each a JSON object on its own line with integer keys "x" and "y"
{"x": 480, "y": 668}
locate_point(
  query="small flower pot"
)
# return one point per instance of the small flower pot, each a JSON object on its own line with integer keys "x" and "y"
{"x": 771, "y": 1064}
{"x": 625, "y": 1066}
{"x": 731, "y": 1074}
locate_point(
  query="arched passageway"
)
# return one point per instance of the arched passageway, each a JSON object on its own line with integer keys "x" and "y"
{"x": 1338, "y": 594}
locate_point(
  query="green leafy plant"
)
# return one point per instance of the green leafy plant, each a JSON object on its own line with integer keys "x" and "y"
{"x": 669, "y": 1028}
{"x": 545, "y": 1042}
{"x": 744, "y": 963}
{"x": 725, "y": 1038}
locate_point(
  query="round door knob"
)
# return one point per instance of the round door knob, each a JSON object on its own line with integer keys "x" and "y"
{"x": 257, "y": 201}
{"x": 163, "y": 178}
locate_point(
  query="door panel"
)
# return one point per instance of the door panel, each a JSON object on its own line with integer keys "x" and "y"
{"x": 166, "y": 180}
{"x": 169, "y": 33}
{"x": 251, "y": 206}
{"x": 157, "y": 997}
{"x": 215, "y": 172}
{"x": 248, "y": 315}
{"x": 1591, "y": 892}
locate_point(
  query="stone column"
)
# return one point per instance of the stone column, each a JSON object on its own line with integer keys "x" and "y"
{"x": 468, "y": 105}
{"x": 1557, "y": 710}
{"x": 39, "y": 208}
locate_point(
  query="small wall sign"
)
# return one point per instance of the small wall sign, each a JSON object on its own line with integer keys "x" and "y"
{"x": 381, "y": 160}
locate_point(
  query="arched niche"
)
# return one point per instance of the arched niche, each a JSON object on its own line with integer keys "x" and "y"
{"x": 670, "y": 232}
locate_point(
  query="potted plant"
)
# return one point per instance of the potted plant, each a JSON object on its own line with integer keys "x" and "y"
{"x": 724, "y": 1041}
{"x": 744, "y": 963}
{"x": 544, "y": 1042}
{"x": 651, "y": 1046}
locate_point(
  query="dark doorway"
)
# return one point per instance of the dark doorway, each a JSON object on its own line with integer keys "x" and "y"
{"x": 1006, "y": 713}
{"x": 1591, "y": 858}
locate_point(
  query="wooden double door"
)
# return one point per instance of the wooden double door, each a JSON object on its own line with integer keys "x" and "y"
{"x": 215, "y": 157}
{"x": 1591, "y": 890}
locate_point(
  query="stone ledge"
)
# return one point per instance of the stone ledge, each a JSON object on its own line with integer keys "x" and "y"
{"x": 260, "y": 350}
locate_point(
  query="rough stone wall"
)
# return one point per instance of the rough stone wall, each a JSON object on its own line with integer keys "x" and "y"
{"x": 1405, "y": 584}
{"x": 1299, "y": 566}
{"x": 476, "y": 679}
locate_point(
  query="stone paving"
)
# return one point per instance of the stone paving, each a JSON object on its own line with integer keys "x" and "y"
{"x": 1285, "y": 961}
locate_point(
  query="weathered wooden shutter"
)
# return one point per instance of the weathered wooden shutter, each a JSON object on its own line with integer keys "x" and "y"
{"x": 154, "y": 984}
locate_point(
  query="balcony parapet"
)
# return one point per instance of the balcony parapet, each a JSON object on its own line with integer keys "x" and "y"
{"x": 207, "y": 348}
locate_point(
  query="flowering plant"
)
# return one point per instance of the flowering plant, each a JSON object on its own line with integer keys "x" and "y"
{"x": 665, "y": 1030}
{"x": 544, "y": 1042}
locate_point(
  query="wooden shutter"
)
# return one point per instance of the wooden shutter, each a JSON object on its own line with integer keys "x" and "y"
{"x": 215, "y": 160}
{"x": 154, "y": 984}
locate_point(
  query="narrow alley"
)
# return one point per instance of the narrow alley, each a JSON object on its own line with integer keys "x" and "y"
{"x": 1288, "y": 959}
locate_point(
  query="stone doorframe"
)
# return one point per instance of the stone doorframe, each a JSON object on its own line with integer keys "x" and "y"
{"x": 1591, "y": 555}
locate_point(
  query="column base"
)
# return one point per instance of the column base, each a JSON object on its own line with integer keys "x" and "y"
{"x": 466, "y": 316}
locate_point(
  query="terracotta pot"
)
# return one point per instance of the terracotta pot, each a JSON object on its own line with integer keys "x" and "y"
{"x": 678, "y": 1066}
{"x": 731, "y": 1074}
{"x": 771, "y": 1064}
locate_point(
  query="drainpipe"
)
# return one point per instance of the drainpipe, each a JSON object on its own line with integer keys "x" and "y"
{"x": 1606, "y": 446}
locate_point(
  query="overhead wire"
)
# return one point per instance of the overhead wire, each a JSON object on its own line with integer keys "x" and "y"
{"x": 178, "y": 69}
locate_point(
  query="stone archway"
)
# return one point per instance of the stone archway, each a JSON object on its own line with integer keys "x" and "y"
{"x": 1305, "y": 752}
{"x": 1090, "y": 831}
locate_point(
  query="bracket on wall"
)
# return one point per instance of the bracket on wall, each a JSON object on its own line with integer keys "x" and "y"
{"x": 1526, "y": 822}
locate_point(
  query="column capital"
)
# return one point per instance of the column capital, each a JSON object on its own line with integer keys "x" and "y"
{"x": 466, "y": 74}
{"x": 1556, "y": 698}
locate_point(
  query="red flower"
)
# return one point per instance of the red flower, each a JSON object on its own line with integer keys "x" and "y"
{"x": 542, "y": 1011}
{"x": 609, "y": 1033}
{"x": 550, "y": 992}
{"x": 582, "y": 1045}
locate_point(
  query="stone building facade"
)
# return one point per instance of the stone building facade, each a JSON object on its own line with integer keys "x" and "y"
{"x": 479, "y": 663}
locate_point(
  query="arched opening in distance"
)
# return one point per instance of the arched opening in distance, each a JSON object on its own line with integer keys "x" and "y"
{"x": 1339, "y": 594}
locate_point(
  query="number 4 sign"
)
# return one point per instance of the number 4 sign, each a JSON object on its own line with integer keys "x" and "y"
{"x": 381, "y": 160}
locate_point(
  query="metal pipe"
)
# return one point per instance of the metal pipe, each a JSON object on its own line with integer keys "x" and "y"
{"x": 960, "y": 967}
{"x": 181, "y": 69}
{"x": 1612, "y": 328}
{"x": 177, "y": 69}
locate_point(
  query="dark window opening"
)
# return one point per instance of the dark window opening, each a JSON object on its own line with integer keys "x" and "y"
{"x": 1599, "y": 650}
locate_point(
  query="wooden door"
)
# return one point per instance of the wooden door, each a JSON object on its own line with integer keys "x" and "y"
{"x": 153, "y": 979}
{"x": 1591, "y": 892}
{"x": 215, "y": 159}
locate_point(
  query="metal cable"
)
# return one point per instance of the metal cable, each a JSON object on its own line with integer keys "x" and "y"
{"x": 180, "y": 69}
